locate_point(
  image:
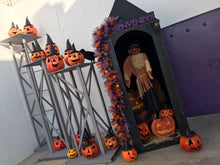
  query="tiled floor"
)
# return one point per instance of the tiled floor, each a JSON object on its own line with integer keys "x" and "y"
{"x": 208, "y": 127}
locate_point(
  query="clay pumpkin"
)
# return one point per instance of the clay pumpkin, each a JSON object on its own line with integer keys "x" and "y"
{"x": 58, "y": 144}
{"x": 54, "y": 62}
{"x": 90, "y": 149}
{"x": 47, "y": 47}
{"x": 13, "y": 30}
{"x": 37, "y": 52}
{"x": 67, "y": 51}
{"x": 110, "y": 140}
{"x": 164, "y": 126}
{"x": 29, "y": 28}
{"x": 191, "y": 141}
{"x": 166, "y": 112}
{"x": 72, "y": 153}
{"x": 143, "y": 128}
{"x": 18, "y": 29}
{"x": 129, "y": 153}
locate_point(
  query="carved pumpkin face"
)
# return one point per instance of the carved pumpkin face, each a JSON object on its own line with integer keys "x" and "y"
{"x": 144, "y": 131}
{"x": 90, "y": 149}
{"x": 58, "y": 144}
{"x": 66, "y": 56}
{"x": 164, "y": 126}
{"x": 30, "y": 29}
{"x": 72, "y": 153}
{"x": 191, "y": 144}
{"x": 54, "y": 63}
{"x": 77, "y": 138}
{"x": 47, "y": 49}
{"x": 129, "y": 155}
{"x": 111, "y": 142}
{"x": 73, "y": 58}
{"x": 135, "y": 101}
{"x": 12, "y": 31}
{"x": 166, "y": 112}
{"x": 37, "y": 55}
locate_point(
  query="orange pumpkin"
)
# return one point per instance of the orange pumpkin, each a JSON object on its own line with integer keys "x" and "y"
{"x": 90, "y": 149}
{"x": 81, "y": 57}
{"x": 29, "y": 28}
{"x": 166, "y": 112}
{"x": 67, "y": 52}
{"x": 54, "y": 62}
{"x": 58, "y": 144}
{"x": 191, "y": 141}
{"x": 18, "y": 29}
{"x": 110, "y": 140}
{"x": 47, "y": 47}
{"x": 136, "y": 101}
{"x": 164, "y": 126}
{"x": 129, "y": 153}
{"x": 13, "y": 30}
{"x": 37, "y": 52}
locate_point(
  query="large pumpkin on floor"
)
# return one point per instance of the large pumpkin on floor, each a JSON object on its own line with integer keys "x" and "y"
{"x": 58, "y": 144}
{"x": 164, "y": 126}
{"x": 110, "y": 140}
{"x": 29, "y": 28}
{"x": 191, "y": 141}
{"x": 129, "y": 153}
{"x": 90, "y": 149}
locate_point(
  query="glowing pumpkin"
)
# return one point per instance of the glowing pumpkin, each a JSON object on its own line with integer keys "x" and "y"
{"x": 164, "y": 126}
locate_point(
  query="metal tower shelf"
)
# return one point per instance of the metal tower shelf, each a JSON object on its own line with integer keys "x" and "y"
{"x": 38, "y": 91}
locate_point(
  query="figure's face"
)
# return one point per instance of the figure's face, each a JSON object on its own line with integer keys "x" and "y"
{"x": 134, "y": 50}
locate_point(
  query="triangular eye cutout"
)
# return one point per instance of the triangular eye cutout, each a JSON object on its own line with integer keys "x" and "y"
{"x": 190, "y": 142}
{"x": 48, "y": 59}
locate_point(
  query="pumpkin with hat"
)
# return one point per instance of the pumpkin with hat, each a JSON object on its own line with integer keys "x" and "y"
{"x": 29, "y": 28}
{"x": 74, "y": 57}
{"x": 37, "y": 52}
{"x": 47, "y": 47}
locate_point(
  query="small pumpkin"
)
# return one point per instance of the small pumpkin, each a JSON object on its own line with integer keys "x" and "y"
{"x": 164, "y": 126}
{"x": 47, "y": 47}
{"x": 72, "y": 153}
{"x": 18, "y": 29}
{"x": 58, "y": 144}
{"x": 110, "y": 140}
{"x": 13, "y": 30}
{"x": 54, "y": 62}
{"x": 129, "y": 153}
{"x": 166, "y": 112}
{"x": 29, "y": 28}
{"x": 143, "y": 128}
{"x": 90, "y": 149}
{"x": 67, "y": 52}
{"x": 136, "y": 101}
{"x": 190, "y": 142}
{"x": 37, "y": 52}
{"x": 73, "y": 58}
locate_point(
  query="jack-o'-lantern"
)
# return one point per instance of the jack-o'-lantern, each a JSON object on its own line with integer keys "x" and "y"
{"x": 37, "y": 52}
{"x": 166, "y": 112}
{"x": 72, "y": 153}
{"x": 58, "y": 144}
{"x": 90, "y": 149}
{"x": 129, "y": 153}
{"x": 164, "y": 126}
{"x": 54, "y": 62}
{"x": 73, "y": 58}
{"x": 47, "y": 47}
{"x": 67, "y": 51}
{"x": 13, "y": 30}
{"x": 143, "y": 128}
{"x": 191, "y": 141}
{"x": 110, "y": 140}
{"x": 29, "y": 28}
{"x": 135, "y": 101}
{"x": 77, "y": 136}
{"x": 18, "y": 29}
{"x": 134, "y": 49}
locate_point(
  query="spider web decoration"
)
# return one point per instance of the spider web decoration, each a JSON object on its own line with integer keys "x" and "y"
{"x": 101, "y": 45}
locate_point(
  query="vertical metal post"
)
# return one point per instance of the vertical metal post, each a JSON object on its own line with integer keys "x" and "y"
{"x": 56, "y": 105}
{"x": 36, "y": 95}
{"x": 90, "y": 111}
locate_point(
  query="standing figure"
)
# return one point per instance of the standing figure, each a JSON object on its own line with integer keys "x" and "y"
{"x": 137, "y": 64}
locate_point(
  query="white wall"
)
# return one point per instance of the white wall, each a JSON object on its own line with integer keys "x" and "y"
{"x": 62, "y": 19}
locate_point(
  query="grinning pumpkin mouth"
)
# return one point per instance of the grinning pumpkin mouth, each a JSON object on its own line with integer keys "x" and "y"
{"x": 165, "y": 131}
{"x": 132, "y": 157}
{"x": 74, "y": 60}
{"x": 55, "y": 65}
{"x": 198, "y": 148}
{"x": 72, "y": 154}
{"x": 111, "y": 146}
{"x": 14, "y": 32}
{"x": 145, "y": 135}
{"x": 89, "y": 156}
